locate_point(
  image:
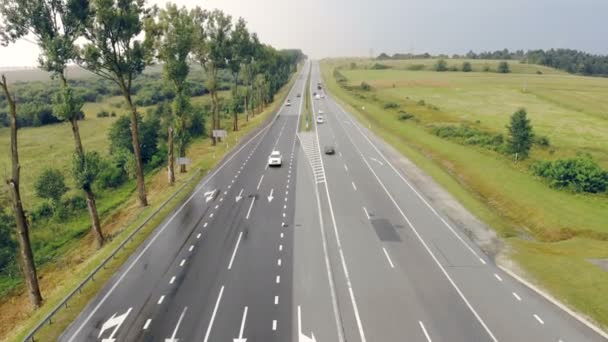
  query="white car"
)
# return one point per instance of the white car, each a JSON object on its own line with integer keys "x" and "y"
{"x": 275, "y": 159}
{"x": 320, "y": 112}
{"x": 320, "y": 119}
{"x": 317, "y": 97}
{"x": 288, "y": 103}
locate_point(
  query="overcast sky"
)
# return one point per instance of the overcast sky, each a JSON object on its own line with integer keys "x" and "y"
{"x": 324, "y": 28}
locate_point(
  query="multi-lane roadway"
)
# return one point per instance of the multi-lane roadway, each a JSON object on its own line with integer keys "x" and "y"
{"x": 325, "y": 248}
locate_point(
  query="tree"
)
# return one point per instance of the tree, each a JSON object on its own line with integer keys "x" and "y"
{"x": 26, "y": 256}
{"x": 56, "y": 24}
{"x": 119, "y": 136}
{"x": 212, "y": 51}
{"x": 466, "y": 67}
{"x": 441, "y": 65}
{"x": 240, "y": 53}
{"x": 175, "y": 42}
{"x": 114, "y": 52}
{"x": 51, "y": 185}
{"x": 503, "y": 67}
{"x": 521, "y": 135}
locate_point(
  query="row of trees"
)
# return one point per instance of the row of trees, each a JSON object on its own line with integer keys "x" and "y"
{"x": 121, "y": 38}
{"x": 569, "y": 60}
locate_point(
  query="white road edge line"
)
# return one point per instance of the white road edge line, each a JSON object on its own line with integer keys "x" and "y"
{"x": 238, "y": 241}
{"x": 426, "y": 334}
{"x": 217, "y": 304}
{"x": 388, "y": 257}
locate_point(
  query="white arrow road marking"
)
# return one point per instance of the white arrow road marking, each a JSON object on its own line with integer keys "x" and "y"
{"x": 114, "y": 322}
{"x": 270, "y": 196}
{"x": 179, "y": 321}
{"x": 377, "y": 161}
{"x": 238, "y": 198}
{"x": 251, "y": 206}
{"x": 235, "y": 248}
{"x": 209, "y": 195}
{"x": 302, "y": 337}
{"x": 217, "y": 304}
{"x": 240, "y": 338}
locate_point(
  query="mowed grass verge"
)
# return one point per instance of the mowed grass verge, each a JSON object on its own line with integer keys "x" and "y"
{"x": 61, "y": 276}
{"x": 551, "y": 234}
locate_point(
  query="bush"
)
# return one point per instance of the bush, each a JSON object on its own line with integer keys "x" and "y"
{"x": 542, "y": 140}
{"x": 405, "y": 116}
{"x": 421, "y": 103}
{"x": 113, "y": 114}
{"x": 365, "y": 87}
{"x": 75, "y": 203}
{"x": 503, "y": 68}
{"x": 103, "y": 114}
{"x": 416, "y": 67}
{"x": 43, "y": 210}
{"x": 432, "y": 107}
{"x": 453, "y": 68}
{"x": 111, "y": 175}
{"x": 50, "y": 185}
{"x": 538, "y": 72}
{"x": 467, "y": 135}
{"x": 441, "y": 65}
{"x": 579, "y": 174}
{"x": 466, "y": 67}
{"x": 378, "y": 66}
{"x": 391, "y": 105}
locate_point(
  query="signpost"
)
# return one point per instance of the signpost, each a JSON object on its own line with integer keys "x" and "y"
{"x": 219, "y": 133}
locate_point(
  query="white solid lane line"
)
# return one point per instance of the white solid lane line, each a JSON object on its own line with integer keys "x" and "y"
{"x": 238, "y": 241}
{"x": 426, "y": 334}
{"x": 250, "y": 206}
{"x": 539, "y": 319}
{"x": 366, "y": 213}
{"x": 217, "y": 304}
{"x": 388, "y": 258}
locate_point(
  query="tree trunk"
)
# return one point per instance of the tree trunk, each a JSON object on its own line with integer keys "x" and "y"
{"x": 26, "y": 256}
{"x": 246, "y": 109}
{"x": 141, "y": 186}
{"x": 213, "y": 121}
{"x": 99, "y": 239}
{"x": 235, "y": 126}
{"x": 170, "y": 157}
{"x": 92, "y": 206}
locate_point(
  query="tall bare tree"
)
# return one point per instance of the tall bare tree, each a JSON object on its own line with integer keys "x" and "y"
{"x": 26, "y": 256}
{"x": 115, "y": 52}
{"x": 175, "y": 32}
{"x": 56, "y": 24}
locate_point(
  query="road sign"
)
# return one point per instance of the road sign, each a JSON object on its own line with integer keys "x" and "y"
{"x": 183, "y": 161}
{"x": 219, "y": 133}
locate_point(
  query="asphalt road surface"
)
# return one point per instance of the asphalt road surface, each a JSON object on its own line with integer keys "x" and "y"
{"x": 324, "y": 248}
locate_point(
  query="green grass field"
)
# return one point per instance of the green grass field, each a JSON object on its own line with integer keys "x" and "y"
{"x": 551, "y": 233}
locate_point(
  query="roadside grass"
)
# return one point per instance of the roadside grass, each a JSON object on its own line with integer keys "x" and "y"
{"x": 79, "y": 256}
{"x": 572, "y": 111}
{"x": 305, "y": 120}
{"x": 538, "y": 222}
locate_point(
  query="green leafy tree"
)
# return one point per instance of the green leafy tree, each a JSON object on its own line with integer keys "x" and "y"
{"x": 466, "y": 67}
{"x": 26, "y": 256}
{"x": 241, "y": 51}
{"x": 120, "y": 140}
{"x": 115, "y": 52}
{"x": 174, "y": 44}
{"x": 212, "y": 51}
{"x": 56, "y": 24}
{"x": 521, "y": 135}
{"x": 51, "y": 185}
{"x": 503, "y": 68}
{"x": 441, "y": 65}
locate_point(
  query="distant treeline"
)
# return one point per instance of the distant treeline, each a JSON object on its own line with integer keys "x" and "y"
{"x": 36, "y": 98}
{"x": 572, "y": 61}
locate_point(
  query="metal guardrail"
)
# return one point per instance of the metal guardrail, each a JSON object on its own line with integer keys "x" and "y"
{"x": 91, "y": 277}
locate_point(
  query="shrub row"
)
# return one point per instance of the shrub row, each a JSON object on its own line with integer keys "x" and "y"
{"x": 578, "y": 174}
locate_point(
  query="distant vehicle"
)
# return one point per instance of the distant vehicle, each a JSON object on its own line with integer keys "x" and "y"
{"x": 319, "y": 87}
{"x": 275, "y": 159}
{"x": 329, "y": 150}
{"x": 320, "y": 120}
{"x": 317, "y": 97}
{"x": 314, "y": 93}
{"x": 298, "y": 95}
{"x": 288, "y": 103}
{"x": 320, "y": 112}
{"x": 322, "y": 96}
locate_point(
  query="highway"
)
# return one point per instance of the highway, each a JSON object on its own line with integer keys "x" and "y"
{"x": 325, "y": 248}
